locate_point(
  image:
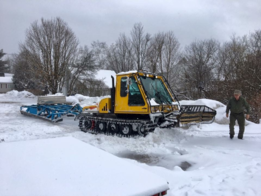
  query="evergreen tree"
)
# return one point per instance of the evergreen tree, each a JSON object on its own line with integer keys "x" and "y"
{"x": 3, "y": 64}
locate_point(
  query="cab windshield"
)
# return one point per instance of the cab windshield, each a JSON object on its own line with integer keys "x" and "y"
{"x": 156, "y": 90}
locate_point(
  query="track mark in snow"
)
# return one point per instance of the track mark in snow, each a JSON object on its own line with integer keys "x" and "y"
{"x": 247, "y": 155}
{"x": 200, "y": 192}
{"x": 196, "y": 179}
{"x": 178, "y": 151}
{"x": 142, "y": 158}
{"x": 251, "y": 191}
{"x": 170, "y": 162}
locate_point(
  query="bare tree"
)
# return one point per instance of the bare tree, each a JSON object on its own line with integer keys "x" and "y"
{"x": 140, "y": 43}
{"x": 96, "y": 87}
{"x": 120, "y": 55}
{"x": 83, "y": 68}
{"x": 51, "y": 46}
{"x": 252, "y": 75}
{"x": 239, "y": 68}
{"x": 199, "y": 67}
{"x": 99, "y": 50}
{"x": 231, "y": 68}
{"x": 171, "y": 58}
{"x": 232, "y": 58}
{"x": 154, "y": 54}
{"x": 163, "y": 56}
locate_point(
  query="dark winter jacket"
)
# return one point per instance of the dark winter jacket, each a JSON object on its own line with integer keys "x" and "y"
{"x": 237, "y": 106}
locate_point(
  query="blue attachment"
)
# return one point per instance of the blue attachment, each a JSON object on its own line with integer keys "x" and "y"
{"x": 51, "y": 112}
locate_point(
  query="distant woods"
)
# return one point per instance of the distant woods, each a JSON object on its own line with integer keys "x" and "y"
{"x": 51, "y": 58}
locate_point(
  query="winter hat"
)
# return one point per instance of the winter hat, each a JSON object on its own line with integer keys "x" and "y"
{"x": 237, "y": 92}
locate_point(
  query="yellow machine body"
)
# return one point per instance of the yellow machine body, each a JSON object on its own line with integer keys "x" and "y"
{"x": 121, "y": 98}
{"x": 105, "y": 106}
{"x": 123, "y": 95}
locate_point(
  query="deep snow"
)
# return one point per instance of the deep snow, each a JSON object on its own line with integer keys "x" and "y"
{"x": 195, "y": 160}
{"x": 68, "y": 166}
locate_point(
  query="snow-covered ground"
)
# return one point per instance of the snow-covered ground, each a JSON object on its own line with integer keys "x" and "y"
{"x": 68, "y": 166}
{"x": 195, "y": 160}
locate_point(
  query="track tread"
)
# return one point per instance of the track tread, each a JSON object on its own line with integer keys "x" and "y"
{"x": 117, "y": 122}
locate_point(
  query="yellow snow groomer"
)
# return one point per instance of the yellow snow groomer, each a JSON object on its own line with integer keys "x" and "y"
{"x": 139, "y": 103}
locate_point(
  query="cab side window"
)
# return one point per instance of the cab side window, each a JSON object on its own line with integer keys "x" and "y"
{"x": 135, "y": 97}
{"x": 123, "y": 87}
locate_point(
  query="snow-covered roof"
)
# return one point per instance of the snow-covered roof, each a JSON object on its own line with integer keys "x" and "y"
{"x": 6, "y": 80}
{"x": 67, "y": 166}
{"x": 105, "y": 75}
{"x": 9, "y": 75}
{"x": 127, "y": 72}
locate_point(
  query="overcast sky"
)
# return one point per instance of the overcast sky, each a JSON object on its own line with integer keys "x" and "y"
{"x": 104, "y": 20}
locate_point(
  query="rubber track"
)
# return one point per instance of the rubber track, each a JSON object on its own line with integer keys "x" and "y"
{"x": 148, "y": 126}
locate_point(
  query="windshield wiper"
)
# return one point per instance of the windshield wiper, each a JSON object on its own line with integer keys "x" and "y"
{"x": 161, "y": 97}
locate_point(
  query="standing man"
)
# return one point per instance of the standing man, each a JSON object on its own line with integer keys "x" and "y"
{"x": 236, "y": 105}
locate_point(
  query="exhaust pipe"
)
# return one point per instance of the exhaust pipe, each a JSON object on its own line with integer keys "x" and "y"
{"x": 112, "y": 95}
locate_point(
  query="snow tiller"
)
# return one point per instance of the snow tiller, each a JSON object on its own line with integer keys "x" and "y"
{"x": 51, "y": 108}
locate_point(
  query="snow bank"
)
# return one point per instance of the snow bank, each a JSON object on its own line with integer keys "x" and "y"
{"x": 72, "y": 99}
{"x": 208, "y": 102}
{"x": 85, "y": 100}
{"x": 67, "y": 166}
{"x": 21, "y": 94}
{"x": 15, "y": 96}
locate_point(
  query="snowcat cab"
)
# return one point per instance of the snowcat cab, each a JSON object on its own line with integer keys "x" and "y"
{"x": 139, "y": 103}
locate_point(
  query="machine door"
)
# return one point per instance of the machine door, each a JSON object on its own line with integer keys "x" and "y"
{"x": 129, "y": 97}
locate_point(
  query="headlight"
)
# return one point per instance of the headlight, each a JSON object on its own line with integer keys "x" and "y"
{"x": 155, "y": 109}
